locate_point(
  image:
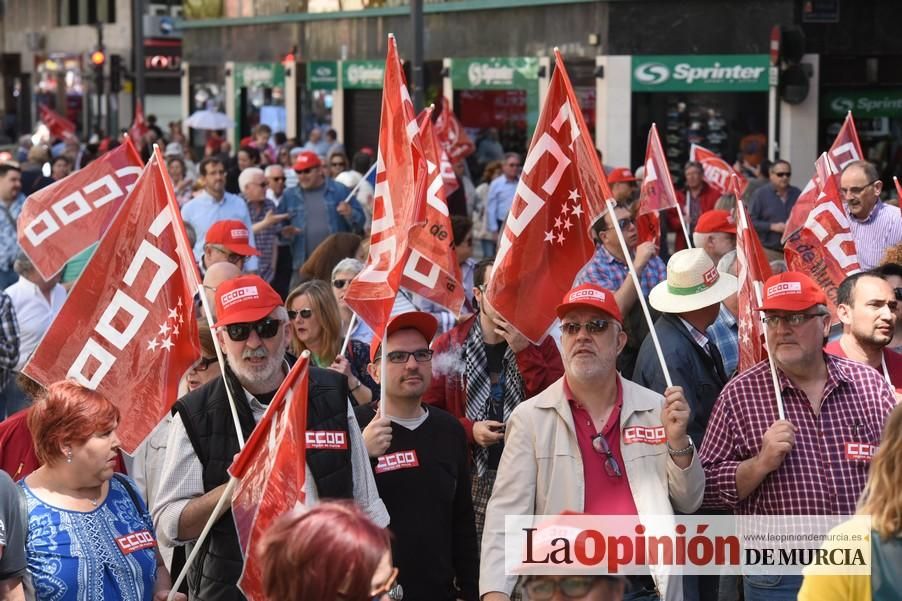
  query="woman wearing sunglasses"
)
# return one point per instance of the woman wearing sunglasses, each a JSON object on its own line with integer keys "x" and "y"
{"x": 316, "y": 326}
{"x": 333, "y": 552}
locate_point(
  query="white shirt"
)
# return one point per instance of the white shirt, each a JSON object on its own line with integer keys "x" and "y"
{"x": 33, "y": 314}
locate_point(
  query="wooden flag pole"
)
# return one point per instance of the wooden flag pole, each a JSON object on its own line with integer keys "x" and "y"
{"x": 639, "y": 294}
{"x": 683, "y": 223}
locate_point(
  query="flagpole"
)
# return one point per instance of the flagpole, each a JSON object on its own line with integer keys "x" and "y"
{"x": 638, "y": 284}
{"x": 683, "y": 223}
{"x": 382, "y": 375}
{"x": 351, "y": 324}
{"x": 886, "y": 371}
{"x": 360, "y": 181}
{"x": 758, "y": 299}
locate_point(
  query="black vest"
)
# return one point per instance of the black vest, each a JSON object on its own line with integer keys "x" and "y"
{"x": 208, "y": 422}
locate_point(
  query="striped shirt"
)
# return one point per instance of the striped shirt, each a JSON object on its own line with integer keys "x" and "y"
{"x": 822, "y": 475}
{"x": 609, "y": 272}
{"x": 266, "y": 239}
{"x": 881, "y": 230}
{"x": 724, "y": 333}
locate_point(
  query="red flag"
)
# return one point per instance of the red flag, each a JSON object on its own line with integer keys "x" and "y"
{"x": 431, "y": 268}
{"x": 59, "y": 126}
{"x": 397, "y": 205}
{"x": 656, "y": 192}
{"x": 128, "y": 329}
{"x": 845, "y": 149}
{"x": 717, "y": 171}
{"x": 753, "y": 269}
{"x": 546, "y": 240}
{"x": 898, "y": 188}
{"x": 271, "y": 470}
{"x": 824, "y": 247}
{"x": 451, "y": 135}
{"x": 449, "y": 178}
{"x": 139, "y": 125}
{"x": 68, "y": 216}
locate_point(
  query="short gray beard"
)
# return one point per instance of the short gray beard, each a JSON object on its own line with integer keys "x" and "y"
{"x": 256, "y": 378}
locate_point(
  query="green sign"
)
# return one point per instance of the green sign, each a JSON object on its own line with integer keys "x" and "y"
{"x": 866, "y": 103}
{"x": 259, "y": 75}
{"x": 494, "y": 73}
{"x": 322, "y": 75}
{"x": 701, "y": 73}
{"x": 362, "y": 75}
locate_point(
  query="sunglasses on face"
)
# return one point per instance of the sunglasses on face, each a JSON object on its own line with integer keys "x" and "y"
{"x": 420, "y": 356}
{"x": 339, "y": 284}
{"x": 624, "y": 223}
{"x": 783, "y": 173}
{"x": 231, "y": 257}
{"x": 595, "y": 326}
{"x": 203, "y": 363}
{"x": 277, "y": 179}
{"x": 265, "y": 328}
{"x": 572, "y": 587}
{"x": 308, "y": 171}
{"x": 305, "y": 313}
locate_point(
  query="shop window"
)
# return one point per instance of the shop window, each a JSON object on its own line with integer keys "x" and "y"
{"x": 86, "y": 12}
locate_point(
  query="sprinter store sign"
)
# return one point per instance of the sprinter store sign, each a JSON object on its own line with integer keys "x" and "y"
{"x": 700, "y": 73}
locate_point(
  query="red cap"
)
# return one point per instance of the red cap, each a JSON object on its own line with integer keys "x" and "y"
{"x": 620, "y": 175}
{"x": 791, "y": 291}
{"x": 591, "y": 296}
{"x": 424, "y": 323}
{"x": 244, "y": 299}
{"x": 233, "y": 235}
{"x": 305, "y": 160}
{"x": 716, "y": 221}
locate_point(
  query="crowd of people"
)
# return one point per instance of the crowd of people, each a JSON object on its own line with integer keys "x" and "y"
{"x": 467, "y": 421}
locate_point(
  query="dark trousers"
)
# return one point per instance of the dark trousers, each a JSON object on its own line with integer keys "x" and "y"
{"x": 281, "y": 281}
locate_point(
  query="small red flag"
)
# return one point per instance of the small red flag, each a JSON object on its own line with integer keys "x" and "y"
{"x": 656, "y": 192}
{"x": 717, "y": 172}
{"x": 398, "y": 201}
{"x": 68, "y": 216}
{"x": 431, "y": 268}
{"x": 139, "y": 125}
{"x": 546, "y": 240}
{"x": 271, "y": 470}
{"x": 128, "y": 328}
{"x": 752, "y": 271}
{"x": 452, "y": 136}
{"x": 845, "y": 149}
{"x": 59, "y": 126}
{"x": 898, "y": 188}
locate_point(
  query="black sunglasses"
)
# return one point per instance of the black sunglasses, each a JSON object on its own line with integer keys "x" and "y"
{"x": 624, "y": 223}
{"x": 595, "y": 326}
{"x": 306, "y": 171}
{"x": 783, "y": 173}
{"x": 265, "y": 328}
{"x": 305, "y": 313}
{"x": 203, "y": 363}
{"x": 340, "y": 283}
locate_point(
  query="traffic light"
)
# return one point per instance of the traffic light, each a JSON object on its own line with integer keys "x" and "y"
{"x": 98, "y": 58}
{"x": 793, "y": 84}
{"x": 116, "y": 73}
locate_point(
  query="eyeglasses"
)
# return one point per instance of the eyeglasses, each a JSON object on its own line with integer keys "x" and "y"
{"x": 624, "y": 223}
{"x": 600, "y": 444}
{"x": 277, "y": 179}
{"x": 305, "y": 313}
{"x": 340, "y": 283}
{"x": 308, "y": 170}
{"x": 265, "y": 328}
{"x": 856, "y": 190}
{"x": 231, "y": 257}
{"x": 420, "y": 356}
{"x": 390, "y": 586}
{"x": 202, "y": 364}
{"x": 794, "y": 320}
{"x": 572, "y": 587}
{"x": 595, "y": 326}
{"x": 783, "y": 173}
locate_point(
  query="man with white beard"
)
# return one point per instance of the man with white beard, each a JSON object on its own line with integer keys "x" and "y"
{"x": 252, "y": 326}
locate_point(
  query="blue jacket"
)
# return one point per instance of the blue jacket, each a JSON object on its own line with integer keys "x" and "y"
{"x": 293, "y": 202}
{"x": 690, "y": 366}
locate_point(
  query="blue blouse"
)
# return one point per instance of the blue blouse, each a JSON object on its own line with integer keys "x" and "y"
{"x": 107, "y": 553}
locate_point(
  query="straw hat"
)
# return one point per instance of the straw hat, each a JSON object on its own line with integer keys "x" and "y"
{"x": 693, "y": 283}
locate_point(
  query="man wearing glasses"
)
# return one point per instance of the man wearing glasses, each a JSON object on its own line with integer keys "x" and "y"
{"x": 321, "y": 208}
{"x": 266, "y": 219}
{"x": 876, "y": 225}
{"x": 227, "y": 241}
{"x": 252, "y": 327}
{"x": 502, "y": 191}
{"x": 813, "y": 462}
{"x": 595, "y": 443}
{"x": 770, "y": 207}
{"x": 278, "y": 191}
{"x": 420, "y": 457}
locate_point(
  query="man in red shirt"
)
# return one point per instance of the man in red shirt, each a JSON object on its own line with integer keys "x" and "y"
{"x": 866, "y": 305}
{"x": 700, "y": 198}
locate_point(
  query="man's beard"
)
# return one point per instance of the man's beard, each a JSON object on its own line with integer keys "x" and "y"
{"x": 257, "y": 375}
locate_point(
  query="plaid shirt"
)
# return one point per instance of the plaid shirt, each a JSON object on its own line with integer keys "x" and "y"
{"x": 265, "y": 239}
{"x": 9, "y": 243}
{"x": 609, "y": 272}
{"x": 724, "y": 333}
{"x": 817, "y": 477}
{"x": 9, "y": 338}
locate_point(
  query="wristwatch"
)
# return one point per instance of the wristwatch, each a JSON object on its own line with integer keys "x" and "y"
{"x": 680, "y": 452}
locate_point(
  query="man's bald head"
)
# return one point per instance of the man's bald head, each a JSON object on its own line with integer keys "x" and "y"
{"x": 216, "y": 274}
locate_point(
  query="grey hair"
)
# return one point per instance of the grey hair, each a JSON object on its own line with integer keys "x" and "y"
{"x": 270, "y": 168}
{"x": 247, "y": 175}
{"x": 511, "y": 155}
{"x": 280, "y": 313}
{"x": 870, "y": 171}
{"x": 23, "y": 265}
{"x": 727, "y": 263}
{"x": 350, "y": 264}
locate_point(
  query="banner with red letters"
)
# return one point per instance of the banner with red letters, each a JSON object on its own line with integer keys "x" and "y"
{"x": 128, "y": 328}
{"x": 717, "y": 172}
{"x": 272, "y": 470}
{"x": 68, "y": 216}
{"x": 398, "y": 201}
{"x": 546, "y": 240}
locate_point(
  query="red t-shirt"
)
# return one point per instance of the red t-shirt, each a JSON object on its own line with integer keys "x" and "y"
{"x": 605, "y": 494}
{"x": 892, "y": 359}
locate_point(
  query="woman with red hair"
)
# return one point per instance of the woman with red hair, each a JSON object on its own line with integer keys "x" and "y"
{"x": 89, "y": 533}
{"x": 331, "y": 552}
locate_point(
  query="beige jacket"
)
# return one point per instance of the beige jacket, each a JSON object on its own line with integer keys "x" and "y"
{"x": 541, "y": 472}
